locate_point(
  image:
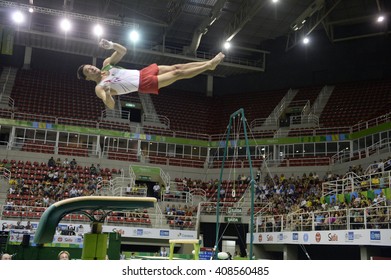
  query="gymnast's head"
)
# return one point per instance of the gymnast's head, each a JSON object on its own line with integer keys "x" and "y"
{"x": 88, "y": 72}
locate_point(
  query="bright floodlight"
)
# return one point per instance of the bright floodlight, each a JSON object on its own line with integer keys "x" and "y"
{"x": 227, "y": 45}
{"x": 134, "y": 36}
{"x": 65, "y": 25}
{"x": 31, "y": 10}
{"x": 274, "y": 1}
{"x": 98, "y": 30}
{"x": 380, "y": 19}
{"x": 306, "y": 41}
{"x": 18, "y": 17}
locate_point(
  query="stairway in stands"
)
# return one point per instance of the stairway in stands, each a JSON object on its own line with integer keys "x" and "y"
{"x": 150, "y": 116}
{"x": 7, "y": 80}
{"x": 322, "y": 100}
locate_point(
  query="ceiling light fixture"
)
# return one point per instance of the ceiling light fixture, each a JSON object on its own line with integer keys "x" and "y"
{"x": 380, "y": 19}
{"x": 18, "y": 17}
{"x": 98, "y": 30}
{"x": 65, "y": 25}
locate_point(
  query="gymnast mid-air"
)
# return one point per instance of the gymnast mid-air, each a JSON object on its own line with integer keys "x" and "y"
{"x": 112, "y": 80}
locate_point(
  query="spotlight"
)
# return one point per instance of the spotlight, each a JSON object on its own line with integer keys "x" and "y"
{"x": 380, "y": 19}
{"x": 306, "y": 41}
{"x": 134, "y": 36}
{"x": 98, "y": 30}
{"x": 18, "y": 17}
{"x": 274, "y": 1}
{"x": 31, "y": 10}
{"x": 227, "y": 45}
{"x": 65, "y": 25}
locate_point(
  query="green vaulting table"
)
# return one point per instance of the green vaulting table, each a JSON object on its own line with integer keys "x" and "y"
{"x": 95, "y": 242}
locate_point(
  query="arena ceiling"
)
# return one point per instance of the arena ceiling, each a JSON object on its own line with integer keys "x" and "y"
{"x": 174, "y": 31}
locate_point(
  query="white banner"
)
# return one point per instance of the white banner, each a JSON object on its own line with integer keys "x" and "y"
{"x": 341, "y": 237}
{"x": 125, "y": 231}
{"x": 197, "y": 270}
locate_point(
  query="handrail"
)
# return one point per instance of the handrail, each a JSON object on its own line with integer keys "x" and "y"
{"x": 156, "y": 119}
{"x": 119, "y": 114}
{"x": 353, "y": 182}
{"x": 342, "y": 219}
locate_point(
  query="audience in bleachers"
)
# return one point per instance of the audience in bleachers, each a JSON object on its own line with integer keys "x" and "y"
{"x": 40, "y": 185}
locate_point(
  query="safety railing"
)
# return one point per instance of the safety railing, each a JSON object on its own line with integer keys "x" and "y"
{"x": 342, "y": 219}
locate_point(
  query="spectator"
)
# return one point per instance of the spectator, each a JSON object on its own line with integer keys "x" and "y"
{"x": 128, "y": 190}
{"x": 156, "y": 191}
{"x": 258, "y": 177}
{"x": 9, "y": 205}
{"x": 64, "y": 256}
{"x": 6, "y": 257}
{"x": 98, "y": 169}
{"x": 18, "y": 225}
{"x": 28, "y": 226}
{"x": 167, "y": 189}
{"x": 51, "y": 162}
{"x": 65, "y": 163}
{"x": 73, "y": 164}
{"x": 46, "y": 201}
{"x": 93, "y": 170}
{"x": 80, "y": 230}
{"x": 73, "y": 192}
{"x": 71, "y": 230}
{"x": 222, "y": 193}
{"x": 163, "y": 252}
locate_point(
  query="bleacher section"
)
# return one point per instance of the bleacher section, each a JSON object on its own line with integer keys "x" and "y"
{"x": 256, "y": 105}
{"x": 187, "y": 111}
{"x": 55, "y": 94}
{"x": 194, "y": 112}
{"x": 309, "y": 93}
{"x": 354, "y": 102}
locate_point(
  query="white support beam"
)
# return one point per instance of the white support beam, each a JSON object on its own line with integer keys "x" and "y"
{"x": 246, "y": 12}
{"x": 316, "y": 17}
{"x": 202, "y": 29}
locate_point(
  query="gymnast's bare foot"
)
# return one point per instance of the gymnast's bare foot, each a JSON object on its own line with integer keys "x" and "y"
{"x": 216, "y": 60}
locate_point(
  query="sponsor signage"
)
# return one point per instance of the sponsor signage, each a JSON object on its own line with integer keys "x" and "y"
{"x": 375, "y": 235}
{"x": 349, "y": 236}
{"x": 341, "y": 237}
{"x": 332, "y": 237}
{"x": 232, "y": 219}
{"x": 305, "y": 237}
{"x": 16, "y": 238}
{"x": 234, "y": 210}
{"x": 144, "y": 178}
{"x": 206, "y": 253}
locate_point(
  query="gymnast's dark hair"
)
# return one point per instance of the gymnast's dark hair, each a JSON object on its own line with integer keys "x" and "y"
{"x": 80, "y": 74}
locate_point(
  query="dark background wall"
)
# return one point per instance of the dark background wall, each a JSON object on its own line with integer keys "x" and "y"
{"x": 319, "y": 63}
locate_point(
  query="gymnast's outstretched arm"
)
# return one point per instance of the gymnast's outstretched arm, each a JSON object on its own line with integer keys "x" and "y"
{"x": 119, "y": 53}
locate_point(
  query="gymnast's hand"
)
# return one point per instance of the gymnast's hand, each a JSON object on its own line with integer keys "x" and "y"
{"x": 108, "y": 45}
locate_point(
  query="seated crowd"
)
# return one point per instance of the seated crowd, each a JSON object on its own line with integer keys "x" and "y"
{"x": 41, "y": 184}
